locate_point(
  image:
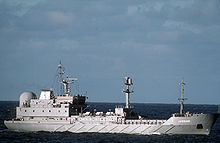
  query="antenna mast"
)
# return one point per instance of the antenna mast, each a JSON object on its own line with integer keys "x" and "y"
{"x": 127, "y": 91}
{"x": 182, "y": 96}
{"x": 65, "y": 83}
{"x": 60, "y": 76}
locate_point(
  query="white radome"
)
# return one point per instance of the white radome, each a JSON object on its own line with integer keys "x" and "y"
{"x": 26, "y": 97}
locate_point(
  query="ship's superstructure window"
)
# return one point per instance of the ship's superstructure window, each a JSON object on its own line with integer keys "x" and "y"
{"x": 49, "y": 110}
{"x": 33, "y": 110}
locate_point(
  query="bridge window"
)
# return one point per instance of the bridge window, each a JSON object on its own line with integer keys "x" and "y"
{"x": 199, "y": 126}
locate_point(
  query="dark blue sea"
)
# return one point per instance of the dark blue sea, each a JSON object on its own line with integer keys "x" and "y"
{"x": 154, "y": 111}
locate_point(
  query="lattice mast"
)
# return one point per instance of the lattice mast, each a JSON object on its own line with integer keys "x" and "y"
{"x": 64, "y": 82}
{"x": 60, "y": 77}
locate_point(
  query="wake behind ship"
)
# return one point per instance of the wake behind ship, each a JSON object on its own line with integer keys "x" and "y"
{"x": 69, "y": 113}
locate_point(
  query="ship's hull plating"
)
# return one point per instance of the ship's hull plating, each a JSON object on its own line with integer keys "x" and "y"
{"x": 199, "y": 124}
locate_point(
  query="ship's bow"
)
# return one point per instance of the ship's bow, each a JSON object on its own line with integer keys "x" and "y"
{"x": 197, "y": 124}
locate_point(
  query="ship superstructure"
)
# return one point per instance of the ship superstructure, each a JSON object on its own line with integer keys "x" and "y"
{"x": 49, "y": 106}
{"x": 68, "y": 113}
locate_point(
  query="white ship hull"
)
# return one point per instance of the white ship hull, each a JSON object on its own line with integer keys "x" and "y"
{"x": 65, "y": 113}
{"x": 174, "y": 125}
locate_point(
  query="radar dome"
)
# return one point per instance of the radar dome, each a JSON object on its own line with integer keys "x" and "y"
{"x": 25, "y": 98}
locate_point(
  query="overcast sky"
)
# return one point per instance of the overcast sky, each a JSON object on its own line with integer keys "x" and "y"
{"x": 155, "y": 42}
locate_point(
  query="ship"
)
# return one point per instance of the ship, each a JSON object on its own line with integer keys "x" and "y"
{"x": 69, "y": 113}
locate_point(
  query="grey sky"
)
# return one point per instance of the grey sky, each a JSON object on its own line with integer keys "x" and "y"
{"x": 155, "y": 42}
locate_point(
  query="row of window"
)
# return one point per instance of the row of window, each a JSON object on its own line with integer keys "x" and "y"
{"x": 43, "y": 111}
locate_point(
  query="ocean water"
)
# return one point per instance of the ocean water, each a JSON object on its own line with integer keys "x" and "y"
{"x": 153, "y": 111}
